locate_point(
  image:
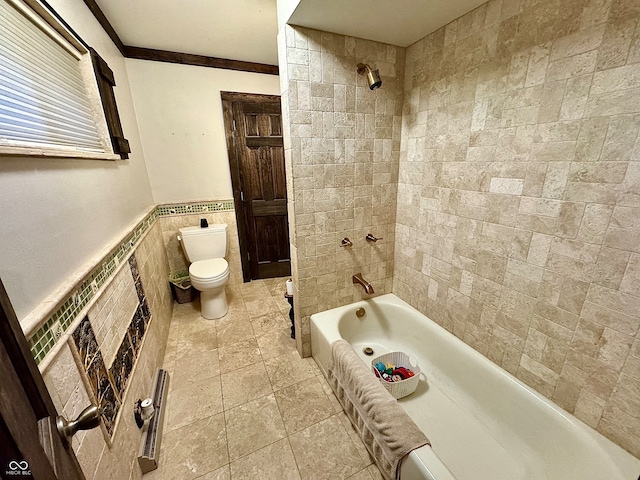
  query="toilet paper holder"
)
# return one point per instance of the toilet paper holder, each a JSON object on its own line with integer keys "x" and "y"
{"x": 143, "y": 412}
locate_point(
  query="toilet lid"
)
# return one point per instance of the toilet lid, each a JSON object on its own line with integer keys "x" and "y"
{"x": 208, "y": 269}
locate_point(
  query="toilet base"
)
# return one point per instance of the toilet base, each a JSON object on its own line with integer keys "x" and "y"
{"x": 213, "y": 303}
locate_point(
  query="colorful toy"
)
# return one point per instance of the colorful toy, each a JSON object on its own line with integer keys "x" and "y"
{"x": 390, "y": 373}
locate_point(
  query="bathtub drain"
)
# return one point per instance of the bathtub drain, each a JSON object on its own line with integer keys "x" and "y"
{"x": 368, "y": 351}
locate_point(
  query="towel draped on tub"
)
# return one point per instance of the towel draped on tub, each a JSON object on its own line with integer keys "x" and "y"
{"x": 385, "y": 428}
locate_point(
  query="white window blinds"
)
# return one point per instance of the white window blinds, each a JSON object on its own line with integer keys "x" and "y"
{"x": 43, "y": 98}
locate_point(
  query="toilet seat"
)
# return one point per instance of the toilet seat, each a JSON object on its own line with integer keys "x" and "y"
{"x": 209, "y": 270}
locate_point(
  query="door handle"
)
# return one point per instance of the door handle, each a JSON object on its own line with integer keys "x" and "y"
{"x": 89, "y": 418}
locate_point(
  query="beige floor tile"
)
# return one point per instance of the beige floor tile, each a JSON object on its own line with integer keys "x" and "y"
{"x": 277, "y": 286}
{"x": 280, "y": 299}
{"x": 237, "y": 312}
{"x": 233, "y": 329}
{"x": 157, "y": 474}
{"x": 276, "y": 342}
{"x": 238, "y": 355}
{"x": 355, "y": 438}
{"x": 194, "y": 321}
{"x": 170, "y": 353}
{"x": 287, "y": 369}
{"x": 258, "y": 305}
{"x": 361, "y": 475}
{"x": 269, "y": 322}
{"x": 273, "y": 462}
{"x": 234, "y": 296}
{"x": 186, "y": 310}
{"x": 193, "y": 450}
{"x": 245, "y": 384}
{"x": 255, "y": 288}
{"x": 198, "y": 337}
{"x": 253, "y": 425}
{"x": 303, "y": 404}
{"x": 337, "y": 408}
{"x": 375, "y": 472}
{"x": 222, "y": 406}
{"x": 193, "y": 368}
{"x": 314, "y": 366}
{"x": 194, "y": 402}
{"x": 339, "y": 457}
{"x": 222, "y": 473}
{"x": 174, "y": 333}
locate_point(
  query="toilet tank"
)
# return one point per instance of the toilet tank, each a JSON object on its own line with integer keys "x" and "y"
{"x": 204, "y": 243}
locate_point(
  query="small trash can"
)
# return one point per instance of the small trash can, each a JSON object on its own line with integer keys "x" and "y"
{"x": 181, "y": 287}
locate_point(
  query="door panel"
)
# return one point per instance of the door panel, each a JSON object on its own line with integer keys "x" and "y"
{"x": 256, "y": 155}
{"x": 28, "y": 439}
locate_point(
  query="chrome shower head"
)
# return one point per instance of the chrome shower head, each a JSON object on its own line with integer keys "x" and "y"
{"x": 373, "y": 76}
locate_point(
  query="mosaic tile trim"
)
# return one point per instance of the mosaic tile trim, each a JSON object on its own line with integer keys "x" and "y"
{"x": 44, "y": 339}
{"x": 109, "y": 384}
{"x": 224, "y": 205}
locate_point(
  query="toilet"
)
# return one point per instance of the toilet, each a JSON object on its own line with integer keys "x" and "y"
{"x": 205, "y": 249}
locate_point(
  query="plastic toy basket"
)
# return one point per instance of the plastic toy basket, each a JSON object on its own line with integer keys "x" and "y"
{"x": 404, "y": 387}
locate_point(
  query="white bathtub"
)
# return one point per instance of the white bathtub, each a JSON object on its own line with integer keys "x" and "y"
{"x": 483, "y": 423}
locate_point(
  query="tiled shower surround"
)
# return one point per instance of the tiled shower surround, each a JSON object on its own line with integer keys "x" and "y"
{"x": 518, "y": 192}
{"x": 342, "y": 142}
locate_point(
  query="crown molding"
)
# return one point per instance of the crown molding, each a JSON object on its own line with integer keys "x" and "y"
{"x": 142, "y": 53}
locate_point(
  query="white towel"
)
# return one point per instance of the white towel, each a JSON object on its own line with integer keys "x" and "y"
{"x": 385, "y": 428}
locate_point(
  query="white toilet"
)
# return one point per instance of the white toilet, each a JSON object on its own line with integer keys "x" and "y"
{"x": 205, "y": 249}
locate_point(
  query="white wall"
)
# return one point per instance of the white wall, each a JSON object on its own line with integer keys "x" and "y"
{"x": 179, "y": 112}
{"x": 57, "y": 214}
{"x": 285, "y": 9}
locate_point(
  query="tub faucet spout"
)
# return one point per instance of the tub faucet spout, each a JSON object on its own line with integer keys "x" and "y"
{"x": 358, "y": 280}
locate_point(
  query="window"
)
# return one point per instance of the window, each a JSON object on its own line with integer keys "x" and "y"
{"x": 46, "y": 89}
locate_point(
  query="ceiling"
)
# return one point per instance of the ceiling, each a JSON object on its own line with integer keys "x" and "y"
{"x": 246, "y": 29}
{"x": 398, "y": 22}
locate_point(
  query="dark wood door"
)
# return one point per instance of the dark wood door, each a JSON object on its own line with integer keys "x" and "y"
{"x": 30, "y": 446}
{"x": 256, "y": 156}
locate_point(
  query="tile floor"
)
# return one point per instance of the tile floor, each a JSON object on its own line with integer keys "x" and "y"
{"x": 244, "y": 405}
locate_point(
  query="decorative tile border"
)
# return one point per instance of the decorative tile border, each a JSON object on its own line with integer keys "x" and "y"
{"x": 184, "y": 209}
{"x": 44, "y": 339}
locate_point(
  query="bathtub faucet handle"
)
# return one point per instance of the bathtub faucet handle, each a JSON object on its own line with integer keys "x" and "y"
{"x": 346, "y": 242}
{"x": 371, "y": 238}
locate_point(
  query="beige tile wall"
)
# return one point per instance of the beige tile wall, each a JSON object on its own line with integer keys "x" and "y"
{"x": 177, "y": 260}
{"x": 519, "y": 197}
{"x": 342, "y": 144}
{"x": 63, "y": 379}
